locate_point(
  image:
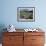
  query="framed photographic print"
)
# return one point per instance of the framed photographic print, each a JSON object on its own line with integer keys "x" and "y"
{"x": 26, "y": 14}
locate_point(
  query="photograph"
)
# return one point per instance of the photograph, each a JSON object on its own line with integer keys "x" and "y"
{"x": 26, "y": 14}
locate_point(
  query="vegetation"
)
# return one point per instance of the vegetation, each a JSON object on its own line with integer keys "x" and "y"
{"x": 26, "y": 14}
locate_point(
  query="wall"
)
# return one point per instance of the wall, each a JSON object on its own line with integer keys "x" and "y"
{"x": 9, "y": 13}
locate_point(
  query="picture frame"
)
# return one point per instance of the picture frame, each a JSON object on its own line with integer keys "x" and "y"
{"x": 26, "y": 14}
